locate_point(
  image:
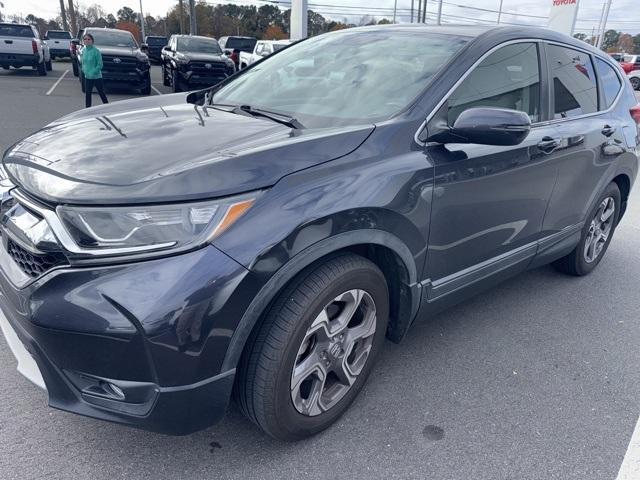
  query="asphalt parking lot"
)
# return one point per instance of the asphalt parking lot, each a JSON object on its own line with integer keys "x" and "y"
{"x": 536, "y": 379}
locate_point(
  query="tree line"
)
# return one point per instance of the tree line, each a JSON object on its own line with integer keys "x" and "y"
{"x": 614, "y": 41}
{"x": 266, "y": 21}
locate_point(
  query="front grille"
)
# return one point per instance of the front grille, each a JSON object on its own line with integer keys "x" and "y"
{"x": 33, "y": 264}
{"x": 217, "y": 70}
{"x": 126, "y": 64}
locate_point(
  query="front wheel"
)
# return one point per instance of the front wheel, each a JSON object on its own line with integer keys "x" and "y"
{"x": 175, "y": 81}
{"x": 596, "y": 235}
{"x": 315, "y": 348}
{"x": 635, "y": 83}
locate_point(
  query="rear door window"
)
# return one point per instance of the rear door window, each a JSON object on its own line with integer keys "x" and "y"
{"x": 508, "y": 78}
{"x": 610, "y": 82}
{"x": 575, "y": 91}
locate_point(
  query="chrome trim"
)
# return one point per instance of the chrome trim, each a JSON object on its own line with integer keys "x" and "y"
{"x": 533, "y": 125}
{"x": 67, "y": 241}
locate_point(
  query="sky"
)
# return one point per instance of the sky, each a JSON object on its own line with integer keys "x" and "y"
{"x": 624, "y": 14}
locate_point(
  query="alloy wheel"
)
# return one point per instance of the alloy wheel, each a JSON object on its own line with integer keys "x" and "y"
{"x": 599, "y": 230}
{"x": 333, "y": 352}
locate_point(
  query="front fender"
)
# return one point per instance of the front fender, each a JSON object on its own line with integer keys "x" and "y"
{"x": 302, "y": 260}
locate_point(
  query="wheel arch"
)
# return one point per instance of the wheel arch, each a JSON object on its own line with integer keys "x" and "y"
{"x": 384, "y": 249}
{"x": 624, "y": 185}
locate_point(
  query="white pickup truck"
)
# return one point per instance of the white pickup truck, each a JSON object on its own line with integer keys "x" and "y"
{"x": 262, "y": 49}
{"x": 21, "y": 46}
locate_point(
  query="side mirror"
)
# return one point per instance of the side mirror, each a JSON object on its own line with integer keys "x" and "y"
{"x": 486, "y": 126}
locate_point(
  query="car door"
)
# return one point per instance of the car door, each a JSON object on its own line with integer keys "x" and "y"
{"x": 489, "y": 201}
{"x": 592, "y": 135}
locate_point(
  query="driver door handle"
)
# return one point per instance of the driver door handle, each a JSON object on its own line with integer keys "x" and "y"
{"x": 549, "y": 144}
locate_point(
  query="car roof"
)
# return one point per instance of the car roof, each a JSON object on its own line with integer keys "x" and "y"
{"x": 487, "y": 33}
{"x": 178, "y": 35}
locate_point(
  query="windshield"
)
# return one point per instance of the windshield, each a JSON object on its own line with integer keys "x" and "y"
{"x": 156, "y": 41}
{"x": 343, "y": 78}
{"x": 104, "y": 38}
{"x": 242, "y": 44}
{"x": 8, "y": 30}
{"x": 63, "y": 35}
{"x": 198, "y": 45}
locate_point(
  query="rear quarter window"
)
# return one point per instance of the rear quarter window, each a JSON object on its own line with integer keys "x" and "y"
{"x": 575, "y": 91}
{"x": 610, "y": 82}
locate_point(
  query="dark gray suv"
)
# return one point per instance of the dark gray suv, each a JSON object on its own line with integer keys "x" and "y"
{"x": 260, "y": 238}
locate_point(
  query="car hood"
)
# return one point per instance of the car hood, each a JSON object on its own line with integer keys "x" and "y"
{"x": 163, "y": 149}
{"x": 118, "y": 51}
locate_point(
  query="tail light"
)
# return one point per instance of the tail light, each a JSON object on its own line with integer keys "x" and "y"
{"x": 635, "y": 114}
{"x": 34, "y": 46}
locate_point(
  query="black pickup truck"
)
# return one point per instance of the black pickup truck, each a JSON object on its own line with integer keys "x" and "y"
{"x": 194, "y": 62}
{"x": 124, "y": 62}
{"x": 155, "y": 44}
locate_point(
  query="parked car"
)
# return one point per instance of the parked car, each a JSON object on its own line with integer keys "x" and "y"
{"x": 630, "y": 63}
{"x": 21, "y": 46}
{"x": 634, "y": 79}
{"x": 190, "y": 61}
{"x": 155, "y": 45}
{"x": 59, "y": 42}
{"x": 232, "y": 46}
{"x": 263, "y": 48}
{"x": 124, "y": 63}
{"x": 74, "y": 49}
{"x": 618, "y": 57}
{"x": 265, "y": 235}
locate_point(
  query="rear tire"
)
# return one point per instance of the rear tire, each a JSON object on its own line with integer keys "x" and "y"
{"x": 592, "y": 246}
{"x": 274, "y": 388}
{"x": 42, "y": 69}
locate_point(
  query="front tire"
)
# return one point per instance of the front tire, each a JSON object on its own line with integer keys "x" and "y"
{"x": 307, "y": 361}
{"x": 175, "y": 81}
{"x": 596, "y": 235}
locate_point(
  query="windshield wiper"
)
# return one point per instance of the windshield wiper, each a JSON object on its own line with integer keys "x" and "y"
{"x": 290, "y": 122}
{"x": 276, "y": 117}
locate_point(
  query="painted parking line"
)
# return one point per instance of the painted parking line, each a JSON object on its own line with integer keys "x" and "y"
{"x": 630, "y": 468}
{"x": 156, "y": 90}
{"x": 57, "y": 82}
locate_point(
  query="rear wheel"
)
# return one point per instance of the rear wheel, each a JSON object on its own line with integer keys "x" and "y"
{"x": 315, "y": 348}
{"x": 596, "y": 235}
{"x": 635, "y": 83}
{"x": 42, "y": 69}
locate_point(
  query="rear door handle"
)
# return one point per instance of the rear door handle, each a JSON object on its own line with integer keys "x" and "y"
{"x": 548, "y": 144}
{"x": 608, "y": 130}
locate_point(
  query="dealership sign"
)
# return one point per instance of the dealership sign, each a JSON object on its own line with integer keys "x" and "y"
{"x": 562, "y": 17}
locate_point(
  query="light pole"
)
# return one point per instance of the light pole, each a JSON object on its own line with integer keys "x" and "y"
{"x": 500, "y": 12}
{"x": 604, "y": 24}
{"x": 440, "y": 13}
{"x": 395, "y": 7}
{"x": 142, "y": 22}
{"x": 193, "y": 26}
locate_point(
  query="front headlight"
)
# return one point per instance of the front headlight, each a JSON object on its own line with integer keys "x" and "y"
{"x": 136, "y": 229}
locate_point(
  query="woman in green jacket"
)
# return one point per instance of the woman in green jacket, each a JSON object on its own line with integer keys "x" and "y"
{"x": 92, "y": 69}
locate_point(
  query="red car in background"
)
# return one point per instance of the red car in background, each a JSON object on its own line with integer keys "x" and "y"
{"x": 630, "y": 63}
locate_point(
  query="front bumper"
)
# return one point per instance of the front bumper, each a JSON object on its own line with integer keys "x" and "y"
{"x": 60, "y": 52}
{"x": 131, "y": 77}
{"x": 140, "y": 344}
